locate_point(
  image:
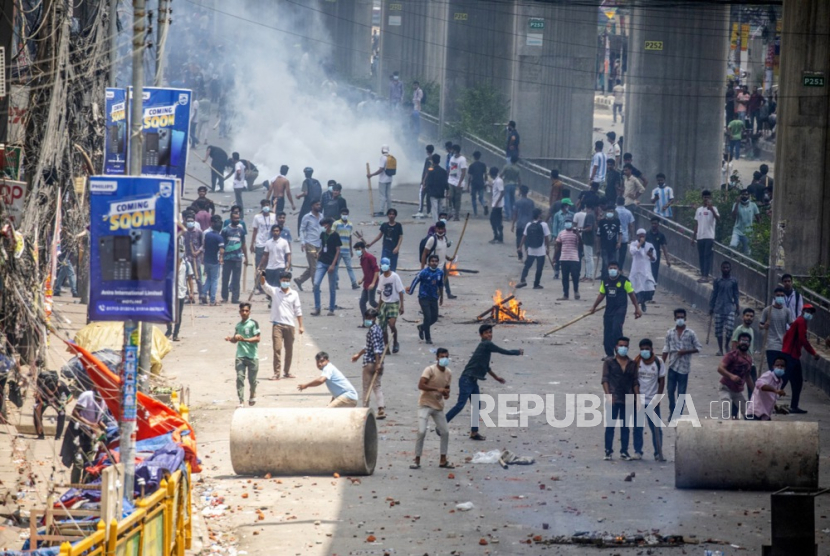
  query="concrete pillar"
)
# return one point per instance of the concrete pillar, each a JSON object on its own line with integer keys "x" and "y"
{"x": 746, "y": 455}
{"x": 675, "y": 91}
{"x": 801, "y": 197}
{"x": 552, "y": 93}
{"x": 303, "y": 441}
{"x": 349, "y": 26}
{"x": 412, "y": 39}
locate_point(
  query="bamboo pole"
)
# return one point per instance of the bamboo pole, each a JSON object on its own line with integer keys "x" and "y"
{"x": 577, "y": 319}
{"x": 371, "y": 198}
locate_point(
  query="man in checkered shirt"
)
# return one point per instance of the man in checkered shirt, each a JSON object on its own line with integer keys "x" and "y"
{"x": 681, "y": 343}
{"x": 372, "y": 355}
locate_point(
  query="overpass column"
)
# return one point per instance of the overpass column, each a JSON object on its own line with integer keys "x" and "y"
{"x": 675, "y": 93}
{"x": 801, "y": 197}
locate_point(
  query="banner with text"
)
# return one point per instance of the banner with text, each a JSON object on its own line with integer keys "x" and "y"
{"x": 116, "y": 145}
{"x": 133, "y": 248}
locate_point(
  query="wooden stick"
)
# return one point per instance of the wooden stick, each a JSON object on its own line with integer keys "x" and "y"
{"x": 510, "y": 313}
{"x": 507, "y": 299}
{"x": 709, "y": 329}
{"x": 371, "y": 198}
{"x": 399, "y": 202}
{"x": 461, "y": 237}
{"x": 484, "y": 314}
{"x": 763, "y": 352}
{"x": 577, "y": 319}
{"x": 377, "y": 370}
{"x": 244, "y": 277}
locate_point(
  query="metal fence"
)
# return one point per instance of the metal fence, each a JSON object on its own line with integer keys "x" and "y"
{"x": 752, "y": 275}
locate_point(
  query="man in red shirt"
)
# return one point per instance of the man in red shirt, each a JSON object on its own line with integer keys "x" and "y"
{"x": 794, "y": 340}
{"x": 369, "y": 264}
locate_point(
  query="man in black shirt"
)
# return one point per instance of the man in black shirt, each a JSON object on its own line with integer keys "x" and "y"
{"x": 628, "y": 159}
{"x": 655, "y": 237}
{"x": 478, "y": 367}
{"x": 613, "y": 183}
{"x": 218, "y": 163}
{"x": 333, "y": 202}
{"x": 610, "y": 237}
{"x": 437, "y": 183}
{"x": 586, "y": 198}
{"x": 327, "y": 258}
{"x": 423, "y": 204}
{"x": 477, "y": 171}
{"x": 620, "y": 377}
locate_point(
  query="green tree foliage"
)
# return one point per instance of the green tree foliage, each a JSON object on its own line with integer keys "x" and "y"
{"x": 479, "y": 108}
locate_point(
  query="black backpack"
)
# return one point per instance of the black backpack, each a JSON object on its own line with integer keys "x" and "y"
{"x": 535, "y": 235}
{"x": 423, "y": 245}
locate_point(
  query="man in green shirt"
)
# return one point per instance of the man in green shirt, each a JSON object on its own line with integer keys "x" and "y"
{"x": 735, "y": 128}
{"x": 246, "y": 338}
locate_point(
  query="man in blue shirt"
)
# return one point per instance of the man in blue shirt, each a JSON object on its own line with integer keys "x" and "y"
{"x": 430, "y": 295}
{"x": 626, "y": 229}
{"x": 343, "y": 394}
{"x": 214, "y": 243}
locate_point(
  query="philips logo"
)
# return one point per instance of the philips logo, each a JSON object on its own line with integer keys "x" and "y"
{"x": 103, "y": 186}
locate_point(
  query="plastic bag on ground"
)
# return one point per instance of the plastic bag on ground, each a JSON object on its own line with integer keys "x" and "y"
{"x": 487, "y": 457}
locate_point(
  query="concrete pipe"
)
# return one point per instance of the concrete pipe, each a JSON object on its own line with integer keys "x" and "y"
{"x": 308, "y": 441}
{"x": 747, "y": 455}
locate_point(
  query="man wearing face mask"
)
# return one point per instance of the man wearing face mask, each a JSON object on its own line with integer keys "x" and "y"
{"x": 437, "y": 243}
{"x": 430, "y": 295}
{"x": 263, "y": 224}
{"x": 194, "y": 249}
{"x": 329, "y": 254}
{"x": 724, "y": 304}
{"x": 735, "y": 369}
{"x": 775, "y": 319}
{"x": 369, "y": 265}
{"x": 619, "y": 379}
{"x": 285, "y": 308}
{"x": 276, "y": 258}
{"x": 616, "y": 290}
{"x": 434, "y": 385}
{"x": 391, "y": 302}
{"x": 344, "y": 228}
{"x": 681, "y": 343}
{"x": 213, "y": 245}
{"x": 794, "y": 341}
{"x": 311, "y": 190}
{"x": 651, "y": 376}
{"x": 610, "y": 237}
{"x": 233, "y": 255}
{"x": 536, "y": 238}
{"x": 745, "y": 213}
{"x": 768, "y": 388}
{"x": 568, "y": 243}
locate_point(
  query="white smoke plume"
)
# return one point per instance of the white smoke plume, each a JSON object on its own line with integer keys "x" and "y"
{"x": 287, "y": 109}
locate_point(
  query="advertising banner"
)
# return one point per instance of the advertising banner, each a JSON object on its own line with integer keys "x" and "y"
{"x": 132, "y": 248}
{"x": 11, "y": 195}
{"x": 166, "y": 127}
{"x": 118, "y": 128}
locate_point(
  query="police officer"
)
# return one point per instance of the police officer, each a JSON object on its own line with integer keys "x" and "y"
{"x": 615, "y": 289}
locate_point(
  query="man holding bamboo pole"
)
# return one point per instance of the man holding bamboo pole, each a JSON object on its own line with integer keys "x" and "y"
{"x": 616, "y": 290}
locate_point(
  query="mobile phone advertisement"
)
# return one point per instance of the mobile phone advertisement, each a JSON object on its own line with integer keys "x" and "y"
{"x": 132, "y": 271}
{"x": 165, "y": 132}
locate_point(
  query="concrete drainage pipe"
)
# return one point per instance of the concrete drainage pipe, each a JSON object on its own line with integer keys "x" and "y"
{"x": 308, "y": 441}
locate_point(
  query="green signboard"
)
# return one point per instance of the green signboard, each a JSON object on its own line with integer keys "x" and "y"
{"x": 813, "y": 80}
{"x": 537, "y": 23}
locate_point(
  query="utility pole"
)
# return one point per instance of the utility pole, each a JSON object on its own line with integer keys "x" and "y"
{"x": 6, "y": 24}
{"x": 113, "y": 33}
{"x": 163, "y": 20}
{"x": 128, "y": 379}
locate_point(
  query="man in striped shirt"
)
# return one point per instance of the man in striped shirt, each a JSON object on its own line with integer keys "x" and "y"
{"x": 372, "y": 360}
{"x": 662, "y": 197}
{"x": 598, "y": 164}
{"x": 567, "y": 253}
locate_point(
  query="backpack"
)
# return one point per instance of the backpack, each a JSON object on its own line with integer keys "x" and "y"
{"x": 391, "y": 165}
{"x": 535, "y": 235}
{"x": 423, "y": 245}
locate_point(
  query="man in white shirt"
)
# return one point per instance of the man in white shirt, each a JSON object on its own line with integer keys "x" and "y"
{"x": 262, "y": 232}
{"x": 457, "y": 179}
{"x": 613, "y": 150}
{"x": 417, "y": 96}
{"x": 496, "y": 206}
{"x": 343, "y": 394}
{"x": 285, "y": 307}
{"x": 652, "y": 378}
{"x": 391, "y": 291}
{"x": 239, "y": 183}
{"x": 384, "y": 182}
{"x": 619, "y": 100}
{"x": 706, "y": 221}
{"x": 663, "y": 197}
{"x": 598, "y": 164}
{"x": 276, "y": 256}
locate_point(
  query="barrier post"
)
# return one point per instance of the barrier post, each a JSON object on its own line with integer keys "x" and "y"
{"x": 112, "y": 541}
{"x": 66, "y": 549}
{"x": 168, "y": 487}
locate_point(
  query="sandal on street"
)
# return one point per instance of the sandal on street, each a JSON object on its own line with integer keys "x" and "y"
{"x": 288, "y": 376}
{"x": 447, "y": 465}
{"x": 275, "y": 377}
{"x": 477, "y": 436}
{"x": 415, "y": 466}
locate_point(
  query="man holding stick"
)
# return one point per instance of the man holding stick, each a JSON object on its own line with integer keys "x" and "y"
{"x": 372, "y": 355}
{"x": 616, "y": 290}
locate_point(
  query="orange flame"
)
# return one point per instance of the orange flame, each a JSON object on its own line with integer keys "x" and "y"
{"x": 513, "y": 305}
{"x": 452, "y": 269}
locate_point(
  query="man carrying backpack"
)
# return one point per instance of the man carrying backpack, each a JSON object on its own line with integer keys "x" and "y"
{"x": 537, "y": 240}
{"x": 388, "y": 167}
{"x": 436, "y": 243}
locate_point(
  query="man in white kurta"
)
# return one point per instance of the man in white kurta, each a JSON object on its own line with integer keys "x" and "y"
{"x": 642, "y": 255}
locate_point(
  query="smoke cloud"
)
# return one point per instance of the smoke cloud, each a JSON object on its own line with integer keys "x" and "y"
{"x": 286, "y": 103}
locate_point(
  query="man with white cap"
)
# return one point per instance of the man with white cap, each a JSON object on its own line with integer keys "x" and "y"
{"x": 385, "y": 171}
{"x": 642, "y": 255}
